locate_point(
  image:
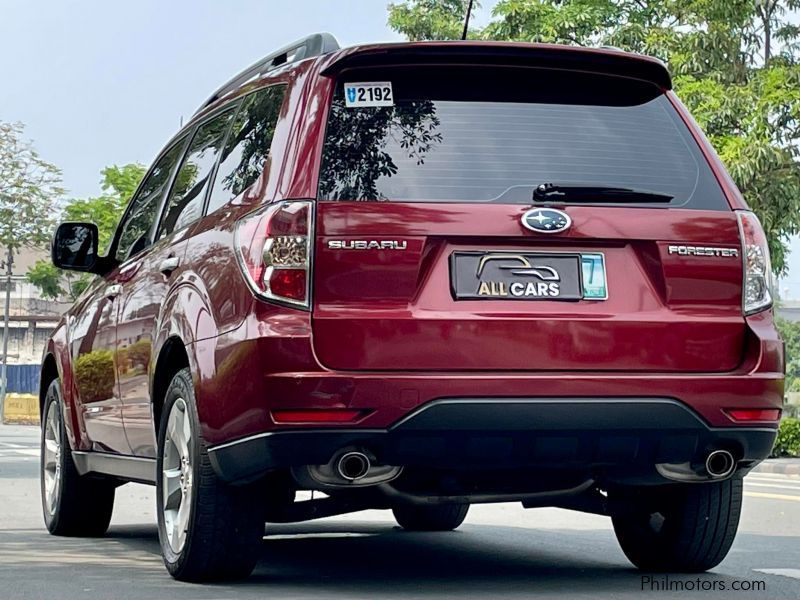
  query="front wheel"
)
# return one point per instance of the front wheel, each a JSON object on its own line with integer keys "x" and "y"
{"x": 73, "y": 505}
{"x": 684, "y": 527}
{"x": 207, "y": 530}
{"x": 437, "y": 517}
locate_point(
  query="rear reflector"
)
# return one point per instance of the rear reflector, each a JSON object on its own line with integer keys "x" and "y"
{"x": 338, "y": 415}
{"x": 754, "y": 414}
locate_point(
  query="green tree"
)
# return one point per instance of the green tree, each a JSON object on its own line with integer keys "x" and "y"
{"x": 790, "y": 333}
{"x": 353, "y": 175}
{"x": 118, "y": 185}
{"x": 736, "y": 64}
{"x": 431, "y": 19}
{"x": 41, "y": 275}
{"x": 29, "y": 191}
{"x": 94, "y": 375}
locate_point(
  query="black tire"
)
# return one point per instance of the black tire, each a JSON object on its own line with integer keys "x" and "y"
{"x": 81, "y": 505}
{"x": 686, "y": 528}
{"x": 225, "y": 523}
{"x": 436, "y": 517}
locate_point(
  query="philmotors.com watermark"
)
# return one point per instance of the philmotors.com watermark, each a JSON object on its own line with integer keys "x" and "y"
{"x": 665, "y": 583}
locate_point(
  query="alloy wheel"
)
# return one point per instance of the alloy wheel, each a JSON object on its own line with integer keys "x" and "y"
{"x": 176, "y": 474}
{"x": 51, "y": 458}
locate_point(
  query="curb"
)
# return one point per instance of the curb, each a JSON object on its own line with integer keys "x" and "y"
{"x": 780, "y": 467}
{"x": 21, "y": 409}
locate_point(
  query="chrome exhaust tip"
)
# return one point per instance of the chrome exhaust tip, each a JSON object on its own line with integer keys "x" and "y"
{"x": 720, "y": 464}
{"x": 353, "y": 465}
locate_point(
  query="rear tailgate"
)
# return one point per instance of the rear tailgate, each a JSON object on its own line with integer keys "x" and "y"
{"x": 422, "y": 261}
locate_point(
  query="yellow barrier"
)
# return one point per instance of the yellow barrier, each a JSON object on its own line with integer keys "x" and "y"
{"x": 21, "y": 409}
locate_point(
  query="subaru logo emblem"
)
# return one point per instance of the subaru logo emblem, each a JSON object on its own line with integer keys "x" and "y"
{"x": 546, "y": 220}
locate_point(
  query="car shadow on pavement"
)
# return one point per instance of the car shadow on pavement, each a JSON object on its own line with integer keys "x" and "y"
{"x": 481, "y": 559}
{"x": 369, "y": 559}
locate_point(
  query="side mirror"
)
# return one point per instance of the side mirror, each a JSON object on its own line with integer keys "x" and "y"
{"x": 75, "y": 246}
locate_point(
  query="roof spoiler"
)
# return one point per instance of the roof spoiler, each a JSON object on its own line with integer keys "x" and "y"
{"x": 313, "y": 45}
{"x": 607, "y": 61}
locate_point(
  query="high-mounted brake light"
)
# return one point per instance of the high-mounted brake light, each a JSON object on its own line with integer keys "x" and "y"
{"x": 273, "y": 248}
{"x": 757, "y": 292}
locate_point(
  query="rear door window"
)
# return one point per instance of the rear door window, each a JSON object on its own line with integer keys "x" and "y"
{"x": 185, "y": 202}
{"x": 496, "y": 135}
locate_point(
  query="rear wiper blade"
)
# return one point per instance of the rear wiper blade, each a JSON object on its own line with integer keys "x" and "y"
{"x": 555, "y": 192}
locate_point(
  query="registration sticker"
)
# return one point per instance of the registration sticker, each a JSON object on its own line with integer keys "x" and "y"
{"x": 594, "y": 277}
{"x": 373, "y": 93}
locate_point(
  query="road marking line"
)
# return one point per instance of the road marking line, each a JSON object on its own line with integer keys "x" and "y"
{"x": 772, "y": 496}
{"x": 777, "y": 478}
{"x": 36, "y": 453}
{"x": 793, "y": 573}
{"x": 772, "y": 485}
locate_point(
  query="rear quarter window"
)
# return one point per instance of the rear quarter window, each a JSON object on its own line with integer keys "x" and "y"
{"x": 493, "y": 135}
{"x": 248, "y": 145}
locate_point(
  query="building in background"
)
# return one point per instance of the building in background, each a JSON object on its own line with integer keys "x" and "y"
{"x": 31, "y": 320}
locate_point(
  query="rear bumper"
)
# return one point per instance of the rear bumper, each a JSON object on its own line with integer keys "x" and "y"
{"x": 616, "y": 439}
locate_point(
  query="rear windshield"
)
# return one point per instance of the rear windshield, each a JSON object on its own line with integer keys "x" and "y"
{"x": 494, "y": 135}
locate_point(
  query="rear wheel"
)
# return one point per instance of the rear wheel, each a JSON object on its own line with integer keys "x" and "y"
{"x": 72, "y": 504}
{"x": 437, "y": 517}
{"x": 685, "y": 528}
{"x": 208, "y": 530}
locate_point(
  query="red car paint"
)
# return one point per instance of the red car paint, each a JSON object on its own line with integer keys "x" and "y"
{"x": 384, "y": 335}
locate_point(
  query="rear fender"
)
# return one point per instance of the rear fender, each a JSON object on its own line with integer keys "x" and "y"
{"x": 183, "y": 309}
{"x": 186, "y": 315}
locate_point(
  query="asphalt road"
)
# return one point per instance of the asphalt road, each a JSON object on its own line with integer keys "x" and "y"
{"x": 501, "y": 551}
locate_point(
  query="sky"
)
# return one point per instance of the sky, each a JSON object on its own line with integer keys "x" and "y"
{"x": 101, "y": 82}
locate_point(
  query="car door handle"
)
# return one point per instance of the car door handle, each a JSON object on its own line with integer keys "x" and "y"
{"x": 113, "y": 291}
{"x": 168, "y": 265}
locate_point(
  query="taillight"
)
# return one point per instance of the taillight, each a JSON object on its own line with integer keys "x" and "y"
{"x": 273, "y": 246}
{"x": 757, "y": 292}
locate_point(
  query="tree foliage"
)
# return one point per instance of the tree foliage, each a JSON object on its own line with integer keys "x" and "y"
{"x": 790, "y": 334}
{"x": 431, "y": 19}
{"x": 736, "y": 64}
{"x": 355, "y": 146}
{"x": 118, "y": 185}
{"x": 29, "y": 191}
{"x": 94, "y": 375}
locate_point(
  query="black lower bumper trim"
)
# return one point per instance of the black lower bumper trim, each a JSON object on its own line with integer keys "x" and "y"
{"x": 626, "y": 437}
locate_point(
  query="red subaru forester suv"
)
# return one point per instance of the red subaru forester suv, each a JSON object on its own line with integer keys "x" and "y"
{"x": 414, "y": 277}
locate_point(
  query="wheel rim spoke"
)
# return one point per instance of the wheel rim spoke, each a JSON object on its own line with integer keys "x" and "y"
{"x": 172, "y": 425}
{"x": 182, "y": 521}
{"x": 177, "y": 542}
{"x": 186, "y": 433}
{"x": 172, "y": 489}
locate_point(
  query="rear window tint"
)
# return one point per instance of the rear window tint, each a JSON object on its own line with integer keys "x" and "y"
{"x": 495, "y": 136}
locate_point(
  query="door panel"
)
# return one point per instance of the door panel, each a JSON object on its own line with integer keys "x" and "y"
{"x": 93, "y": 351}
{"x": 140, "y": 307}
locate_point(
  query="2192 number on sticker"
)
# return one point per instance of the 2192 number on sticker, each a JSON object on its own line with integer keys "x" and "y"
{"x": 374, "y": 93}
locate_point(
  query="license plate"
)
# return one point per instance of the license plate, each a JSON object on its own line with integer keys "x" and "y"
{"x": 527, "y": 276}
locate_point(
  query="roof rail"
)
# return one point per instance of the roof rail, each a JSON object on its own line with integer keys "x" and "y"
{"x": 313, "y": 45}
